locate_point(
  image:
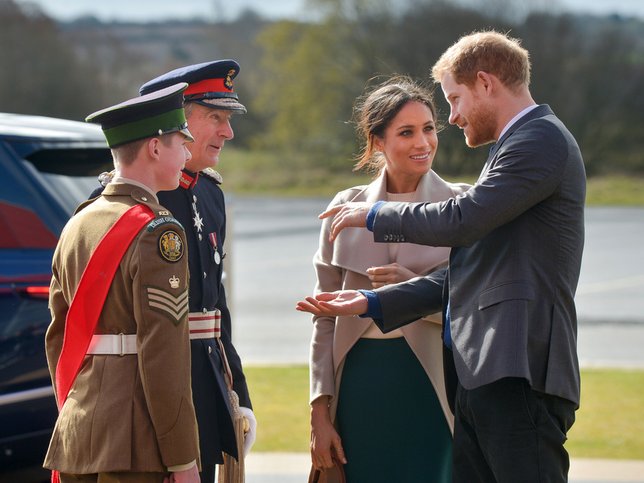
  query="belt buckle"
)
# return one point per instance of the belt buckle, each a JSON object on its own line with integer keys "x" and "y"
{"x": 121, "y": 340}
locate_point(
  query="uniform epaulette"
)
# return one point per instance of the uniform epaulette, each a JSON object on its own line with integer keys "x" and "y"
{"x": 212, "y": 174}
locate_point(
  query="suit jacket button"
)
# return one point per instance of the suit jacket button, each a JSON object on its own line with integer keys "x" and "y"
{"x": 209, "y": 350}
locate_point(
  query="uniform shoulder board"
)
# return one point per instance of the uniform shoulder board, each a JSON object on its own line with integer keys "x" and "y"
{"x": 212, "y": 174}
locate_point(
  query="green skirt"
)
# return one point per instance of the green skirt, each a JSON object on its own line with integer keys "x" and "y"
{"x": 392, "y": 426}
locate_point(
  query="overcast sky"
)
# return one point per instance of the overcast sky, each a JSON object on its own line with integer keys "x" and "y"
{"x": 152, "y": 10}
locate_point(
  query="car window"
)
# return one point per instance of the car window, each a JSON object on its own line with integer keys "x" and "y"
{"x": 71, "y": 190}
{"x": 71, "y": 174}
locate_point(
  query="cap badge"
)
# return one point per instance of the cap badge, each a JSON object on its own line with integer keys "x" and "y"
{"x": 229, "y": 79}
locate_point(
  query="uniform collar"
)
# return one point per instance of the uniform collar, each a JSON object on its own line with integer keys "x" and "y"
{"x": 188, "y": 179}
{"x": 122, "y": 179}
{"x": 517, "y": 117}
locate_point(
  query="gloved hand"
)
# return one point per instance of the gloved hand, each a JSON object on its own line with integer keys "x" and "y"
{"x": 251, "y": 434}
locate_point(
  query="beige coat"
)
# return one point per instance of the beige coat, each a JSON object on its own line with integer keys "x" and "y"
{"x": 343, "y": 265}
{"x": 131, "y": 412}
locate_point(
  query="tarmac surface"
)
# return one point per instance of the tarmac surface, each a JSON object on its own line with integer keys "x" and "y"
{"x": 274, "y": 241}
{"x": 294, "y": 468}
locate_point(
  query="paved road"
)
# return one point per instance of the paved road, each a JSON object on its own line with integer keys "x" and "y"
{"x": 275, "y": 239}
{"x": 293, "y": 468}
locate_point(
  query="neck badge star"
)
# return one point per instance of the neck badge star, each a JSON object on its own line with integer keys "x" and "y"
{"x": 198, "y": 222}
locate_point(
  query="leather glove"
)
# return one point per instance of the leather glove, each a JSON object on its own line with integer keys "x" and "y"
{"x": 251, "y": 434}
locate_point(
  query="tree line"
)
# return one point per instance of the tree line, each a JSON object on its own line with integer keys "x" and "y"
{"x": 300, "y": 79}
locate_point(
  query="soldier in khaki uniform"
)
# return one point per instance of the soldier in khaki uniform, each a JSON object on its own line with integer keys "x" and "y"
{"x": 127, "y": 415}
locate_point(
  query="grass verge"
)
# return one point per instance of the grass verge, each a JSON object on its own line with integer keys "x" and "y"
{"x": 609, "y": 423}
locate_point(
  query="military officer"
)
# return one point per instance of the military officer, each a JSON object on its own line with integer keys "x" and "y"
{"x": 117, "y": 346}
{"x": 198, "y": 203}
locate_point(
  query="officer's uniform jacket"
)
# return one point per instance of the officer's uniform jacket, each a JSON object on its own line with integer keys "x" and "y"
{"x": 200, "y": 207}
{"x": 132, "y": 412}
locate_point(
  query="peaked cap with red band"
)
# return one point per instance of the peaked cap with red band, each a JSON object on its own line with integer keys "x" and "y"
{"x": 209, "y": 84}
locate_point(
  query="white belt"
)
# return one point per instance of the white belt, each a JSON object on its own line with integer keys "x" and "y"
{"x": 203, "y": 325}
{"x": 112, "y": 344}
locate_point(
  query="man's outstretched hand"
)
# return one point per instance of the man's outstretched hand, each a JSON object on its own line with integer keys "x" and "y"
{"x": 342, "y": 302}
{"x": 345, "y": 215}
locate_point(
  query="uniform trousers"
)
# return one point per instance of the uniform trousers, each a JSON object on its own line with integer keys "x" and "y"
{"x": 506, "y": 432}
{"x": 207, "y": 474}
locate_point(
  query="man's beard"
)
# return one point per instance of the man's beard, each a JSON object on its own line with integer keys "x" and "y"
{"x": 481, "y": 125}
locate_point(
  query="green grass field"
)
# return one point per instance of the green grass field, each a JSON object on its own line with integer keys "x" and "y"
{"x": 610, "y": 422}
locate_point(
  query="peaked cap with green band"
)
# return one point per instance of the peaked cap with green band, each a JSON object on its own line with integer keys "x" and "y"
{"x": 160, "y": 112}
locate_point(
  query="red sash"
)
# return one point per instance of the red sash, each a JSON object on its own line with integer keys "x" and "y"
{"x": 90, "y": 295}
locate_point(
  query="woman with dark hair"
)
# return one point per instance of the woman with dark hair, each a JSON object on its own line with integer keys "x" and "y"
{"x": 378, "y": 400}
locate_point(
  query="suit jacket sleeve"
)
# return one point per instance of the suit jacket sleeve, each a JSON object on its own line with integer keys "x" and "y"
{"x": 408, "y": 301}
{"x": 525, "y": 171}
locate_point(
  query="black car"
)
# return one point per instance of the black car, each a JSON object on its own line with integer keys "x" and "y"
{"x": 47, "y": 167}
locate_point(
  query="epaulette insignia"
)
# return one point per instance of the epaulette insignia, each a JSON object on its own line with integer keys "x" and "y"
{"x": 171, "y": 246}
{"x": 212, "y": 174}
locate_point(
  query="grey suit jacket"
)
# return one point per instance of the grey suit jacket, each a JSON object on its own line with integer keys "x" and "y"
{"x": 517, "y": 238}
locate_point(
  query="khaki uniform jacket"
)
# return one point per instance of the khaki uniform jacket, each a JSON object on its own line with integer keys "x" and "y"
{"x": 131, "y": 412}
{"x": 343, "y": 265}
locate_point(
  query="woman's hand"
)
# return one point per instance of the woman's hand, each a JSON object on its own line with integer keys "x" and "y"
{"x": 324, "y": 437}
{"x": 388, "y": 274}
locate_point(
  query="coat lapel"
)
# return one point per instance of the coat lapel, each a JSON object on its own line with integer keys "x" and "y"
{"x": 539, "y": 111}
{"x": 355, "y": 249}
